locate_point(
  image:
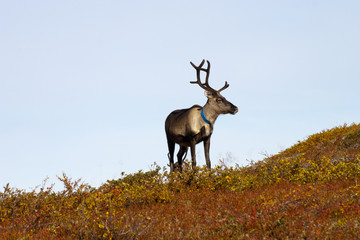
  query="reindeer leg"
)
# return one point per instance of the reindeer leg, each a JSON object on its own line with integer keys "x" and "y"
{"x": 171, "y": 145}
{"x": 180, "y": 155}
{"x": 207, "y": 150}
{"x": 193, "y": 155}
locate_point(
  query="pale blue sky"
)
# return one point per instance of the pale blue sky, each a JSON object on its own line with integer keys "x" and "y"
{"x": 85, "y": 86}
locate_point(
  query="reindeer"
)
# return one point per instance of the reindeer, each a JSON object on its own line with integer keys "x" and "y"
{"x": 190, "y": 126}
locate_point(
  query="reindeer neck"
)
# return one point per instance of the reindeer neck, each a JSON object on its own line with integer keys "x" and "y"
{"x": 210, "y": 113}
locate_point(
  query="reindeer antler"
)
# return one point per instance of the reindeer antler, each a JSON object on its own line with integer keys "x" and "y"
{"x": 205, "y": 85}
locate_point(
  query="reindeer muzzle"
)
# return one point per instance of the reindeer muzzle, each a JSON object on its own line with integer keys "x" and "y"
{"x": 234, "y": 110}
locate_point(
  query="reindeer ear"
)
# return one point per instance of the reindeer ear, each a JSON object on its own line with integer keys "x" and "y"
{"x": 209, "y": 94}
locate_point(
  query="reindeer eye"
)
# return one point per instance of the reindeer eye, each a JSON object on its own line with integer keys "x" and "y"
{"x": 219, "y": 100}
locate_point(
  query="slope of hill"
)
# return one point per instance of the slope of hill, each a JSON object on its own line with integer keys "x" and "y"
{"x": 310, "y": 190}
{"x": 339, "y": 142}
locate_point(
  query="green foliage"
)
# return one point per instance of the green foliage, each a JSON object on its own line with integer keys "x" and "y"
{"x": 310, "y": 190}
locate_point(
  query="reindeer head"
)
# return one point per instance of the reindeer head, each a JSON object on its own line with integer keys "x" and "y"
{"x": 217, "y": 102}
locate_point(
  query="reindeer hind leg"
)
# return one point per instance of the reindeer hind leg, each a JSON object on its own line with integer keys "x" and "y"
{"x": 193, "y": 155}
{"x": 171, "y": 145}
{"x": 181, "y": 156}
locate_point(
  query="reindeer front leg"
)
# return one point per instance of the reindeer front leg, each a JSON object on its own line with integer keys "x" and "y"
{"x": 207, "y": 150}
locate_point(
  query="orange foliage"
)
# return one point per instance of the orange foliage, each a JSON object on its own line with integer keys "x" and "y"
{"x": 310, "y": 190}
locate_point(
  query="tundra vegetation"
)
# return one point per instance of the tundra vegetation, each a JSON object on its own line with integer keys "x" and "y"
{"x": 309, "y": 191}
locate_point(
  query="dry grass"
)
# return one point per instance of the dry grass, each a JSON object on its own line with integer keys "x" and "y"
{"x": 309, "y": 191}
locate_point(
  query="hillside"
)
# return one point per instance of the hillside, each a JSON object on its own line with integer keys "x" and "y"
{"x": 339, "y": 142}
{"x": 309, "y": 191}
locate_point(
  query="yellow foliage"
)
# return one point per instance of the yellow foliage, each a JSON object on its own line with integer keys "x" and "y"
{"x": 111, "y": 211}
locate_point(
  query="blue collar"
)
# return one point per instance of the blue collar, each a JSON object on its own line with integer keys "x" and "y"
{"x": 204, "y": 118}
